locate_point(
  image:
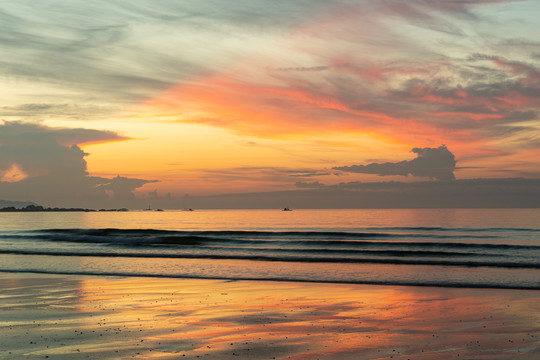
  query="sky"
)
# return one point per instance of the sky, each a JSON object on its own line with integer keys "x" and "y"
{"x": 126, "y": 103}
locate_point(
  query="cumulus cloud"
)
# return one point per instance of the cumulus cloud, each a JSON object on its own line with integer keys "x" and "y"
{"x": 437, "y": 163}
{"x": 46, "y": 165}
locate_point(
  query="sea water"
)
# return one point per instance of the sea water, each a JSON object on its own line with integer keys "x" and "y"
{"x": 496, "y": 248}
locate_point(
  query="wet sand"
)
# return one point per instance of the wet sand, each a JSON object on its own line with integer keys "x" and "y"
{"x": 90, "y": 317}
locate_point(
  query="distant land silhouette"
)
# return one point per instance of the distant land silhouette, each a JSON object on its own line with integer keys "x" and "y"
{"x": 39, "y": 208}
{"x": 16, "y": 204}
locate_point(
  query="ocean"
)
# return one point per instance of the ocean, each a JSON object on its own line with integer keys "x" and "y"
{"x": 473, "y": 248}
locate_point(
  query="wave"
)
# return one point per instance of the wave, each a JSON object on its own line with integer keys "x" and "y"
{"x": 228, "y": 232}
{"x": 165, "y": 237}
{"x": 330, "y": 241}
{"x": 147, "y": 233}
{"x": 509, "y": 257}
{"x": 447, "y": 284}
{"x": 285, "y": 258}
{"x": 464, "y": 229}
{"x": 378, "y": 247}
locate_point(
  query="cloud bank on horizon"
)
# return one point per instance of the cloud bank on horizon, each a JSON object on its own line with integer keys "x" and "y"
{"x": 256, "y": 96}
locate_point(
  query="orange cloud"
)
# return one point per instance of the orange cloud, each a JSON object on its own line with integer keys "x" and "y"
{"x": 394, "y": 90}
{"x": 274, "y": 111}
{"x": 12, "y": 174}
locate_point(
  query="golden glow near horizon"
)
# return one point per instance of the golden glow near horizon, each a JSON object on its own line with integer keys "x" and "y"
{"x": 205, "y": 154}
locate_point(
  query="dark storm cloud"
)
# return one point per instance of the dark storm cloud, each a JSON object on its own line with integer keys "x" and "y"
{"x": 438, "y": 163}
{"x": 47, "y": 166}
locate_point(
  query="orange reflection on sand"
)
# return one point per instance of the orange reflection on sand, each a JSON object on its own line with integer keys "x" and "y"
{"x": 168, "y": 318}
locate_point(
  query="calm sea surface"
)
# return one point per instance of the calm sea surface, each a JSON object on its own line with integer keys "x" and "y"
{"x": 498, "y": 248}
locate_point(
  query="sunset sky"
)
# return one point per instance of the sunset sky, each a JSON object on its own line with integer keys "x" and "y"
{"x": 166, "y": 98}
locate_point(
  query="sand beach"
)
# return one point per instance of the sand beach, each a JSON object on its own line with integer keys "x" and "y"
{"x": 91, "y": 317}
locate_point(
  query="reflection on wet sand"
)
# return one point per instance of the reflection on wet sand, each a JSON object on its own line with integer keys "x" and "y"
{"x": 64, "y": 317}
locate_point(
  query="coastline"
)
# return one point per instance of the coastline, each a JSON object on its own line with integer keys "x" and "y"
{"x": 103, "y": 317}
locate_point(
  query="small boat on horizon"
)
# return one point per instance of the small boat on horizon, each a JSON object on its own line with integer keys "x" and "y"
{"x": 286, "y": 209}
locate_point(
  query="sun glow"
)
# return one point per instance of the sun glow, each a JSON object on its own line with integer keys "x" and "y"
{"x": 13, "y": 174}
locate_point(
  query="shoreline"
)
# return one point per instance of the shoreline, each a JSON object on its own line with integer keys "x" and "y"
{"x": 111, "y": 317}
{"x": 277, "y": 280}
